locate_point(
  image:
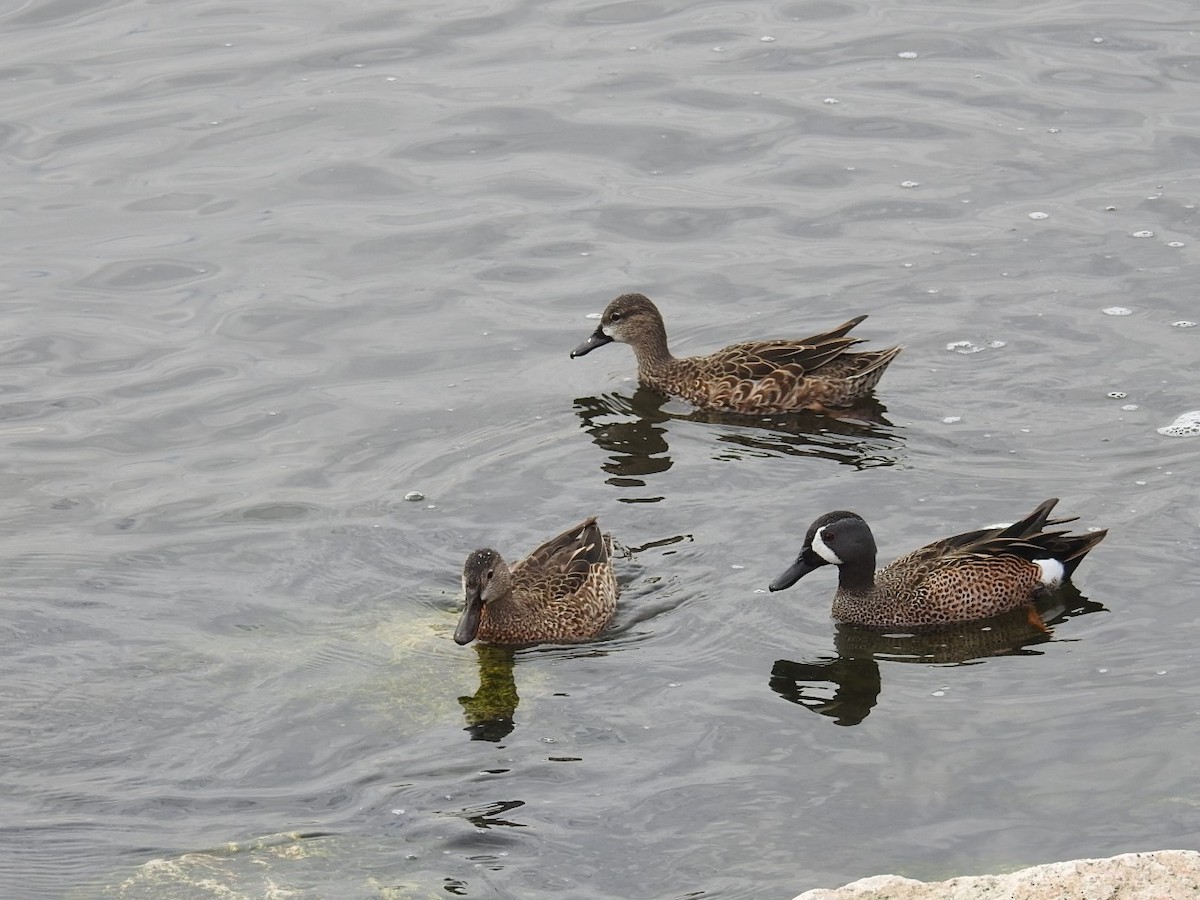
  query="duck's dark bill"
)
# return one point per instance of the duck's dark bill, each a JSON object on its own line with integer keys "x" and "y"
{"x": 468, "y": 625}
{"x": 598, "y": 339}
{"x": 794, "y": 573}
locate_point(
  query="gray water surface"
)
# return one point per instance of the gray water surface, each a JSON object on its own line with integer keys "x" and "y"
{"x": 270, "y": 268}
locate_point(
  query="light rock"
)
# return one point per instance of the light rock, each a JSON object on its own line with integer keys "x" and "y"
{"x": 1159, "y": 875}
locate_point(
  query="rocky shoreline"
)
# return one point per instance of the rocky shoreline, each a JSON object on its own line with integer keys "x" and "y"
{"x": 1157, "y": 875}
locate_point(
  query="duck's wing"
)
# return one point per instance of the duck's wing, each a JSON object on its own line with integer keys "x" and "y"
{"x": 1026, "y": 538}
{"x": 568, "y": 560}
{"x": 754, "y": 360}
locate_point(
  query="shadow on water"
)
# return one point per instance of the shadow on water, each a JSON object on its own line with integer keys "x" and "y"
{"x": 633, "y": 430}
{"x": 489, "y": 711}
{"x": 846, "y": 687}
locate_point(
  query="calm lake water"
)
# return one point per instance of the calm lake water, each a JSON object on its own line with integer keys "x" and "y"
{"x": 269, "y": 268}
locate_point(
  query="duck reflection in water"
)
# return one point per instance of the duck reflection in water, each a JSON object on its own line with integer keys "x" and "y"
{"x": 490, "y": 710}
{"x": 634, "y": 429}
{"x": 846, "y": 687}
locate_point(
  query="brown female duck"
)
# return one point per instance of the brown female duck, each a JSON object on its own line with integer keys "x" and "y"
{"x": 563, "y": 591}
{"x": 957, "y": 579}
{"x": 758, "y": 377}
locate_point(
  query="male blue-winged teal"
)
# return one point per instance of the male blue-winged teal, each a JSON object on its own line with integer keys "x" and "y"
{"x": 758, "y": 377}
{"x": 564, "y": 591}
{"x": 969, "y": 576}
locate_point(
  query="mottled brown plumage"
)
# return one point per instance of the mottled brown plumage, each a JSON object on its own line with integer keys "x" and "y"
{"x": 757, "y": 377}
{"x": 968, "y": 576}
{"x": 563, "y": 591}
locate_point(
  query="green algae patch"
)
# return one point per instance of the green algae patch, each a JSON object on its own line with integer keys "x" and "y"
{"x": 286, "y": 866}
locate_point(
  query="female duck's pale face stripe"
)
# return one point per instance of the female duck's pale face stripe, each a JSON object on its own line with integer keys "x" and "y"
{"x": 1052, "y": 571}
{"x": 822, "y": 549}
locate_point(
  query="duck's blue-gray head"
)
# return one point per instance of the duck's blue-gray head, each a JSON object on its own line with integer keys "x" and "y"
{"x": 837, "y": 538}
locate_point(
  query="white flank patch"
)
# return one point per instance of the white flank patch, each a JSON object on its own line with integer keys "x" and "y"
{"x": 1052, "y": 571}
{"x": 823, "y": 551}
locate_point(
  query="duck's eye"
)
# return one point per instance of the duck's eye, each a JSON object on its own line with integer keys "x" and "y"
{"x": 489, "y": 574}
{"x": 614, "y": 317}
{"x": 827, "y": 535}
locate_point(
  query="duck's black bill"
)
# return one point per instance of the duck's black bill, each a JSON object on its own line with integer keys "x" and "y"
{"x": 468, "y": 625}
{"x": 598, "y": 339}
{"x": 794, "y": 573}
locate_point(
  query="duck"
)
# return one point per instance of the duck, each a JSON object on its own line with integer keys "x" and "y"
{"x": 815, "y": 373}
{"x": 564, "y": 591}
{"x": 969, "y": 576}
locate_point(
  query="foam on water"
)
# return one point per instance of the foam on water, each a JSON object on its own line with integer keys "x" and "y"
{"x": 1185, "y": 425}
{"x": 966, "y": 347}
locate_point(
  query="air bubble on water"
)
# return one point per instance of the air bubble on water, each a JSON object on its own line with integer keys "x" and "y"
{"x": 1054, "y": 130}
{"x": 1097, "y": 40}
{"x": 1185, "y": 425}
{"x": 831, "y": 100}
{"x": 1183, "y": 323}
{"x": 938, "y": 694}
{"x": 907, "y": 54}
{"x": 910, "y": 184}
{"x": 718, "y": 49}
{"x": 736, "y": 566}
{"x": 549, "y": 740}
{"x": 1129, "y": 407}
{"x": 594, "y": 315}
{"x": 1117, "y": 395}
{"x": 908, "y": 265}
{"x": 766, "y": 39}
{"x": 1039, "y": 215}
{"x": 951, "y": 420}
{"x": 1142, "y": 234}
{"x": 414, "y": 496}
{"x": 1174, "y": 243}
{"x": 1117, "y": 311}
